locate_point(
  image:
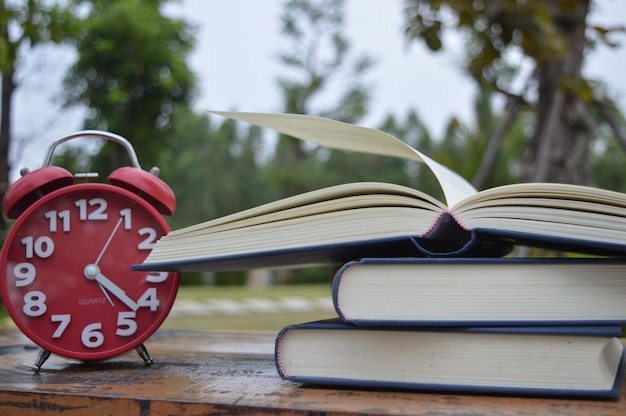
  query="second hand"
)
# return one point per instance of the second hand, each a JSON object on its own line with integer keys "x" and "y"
{"x": 119, "y": 222}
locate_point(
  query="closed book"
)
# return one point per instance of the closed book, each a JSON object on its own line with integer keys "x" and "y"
{"x": 482, "y": 292}
{"x": 558, "y": 361}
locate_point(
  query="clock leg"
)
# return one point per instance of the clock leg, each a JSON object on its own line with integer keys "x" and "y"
{"x": 143, "y": 353}
{"x": 41, "y": 358}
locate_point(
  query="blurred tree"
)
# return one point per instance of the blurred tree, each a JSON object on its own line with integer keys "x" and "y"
{"x": 23, "y": 25}
{"x": 132, "y": 75}
{"x": 607, "y": 154}
{"x": 213, "y": 169}
{"x": 491, "y": 150}
{"x": 552, "y": 35}
{"x": 413, "y": 131}
{"x": 318, "y": 55}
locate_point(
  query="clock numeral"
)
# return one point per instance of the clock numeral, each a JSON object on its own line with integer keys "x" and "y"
{"x": 43, "y": 247}
{"x": 64, "y": 216}
{"x": 98, "y": 213}
{"x": 92, "y": 337}
{"x": 151, "y": 238}
{"x": 126, "y": 325}
{"x": 34, "y": 304}
{"x": 149, "y": 299}
{"x": 25, "y": 274}
{"x": 63, "y": 320}
{"x": 157, "y": 277}
{"x": 126, "y": 214}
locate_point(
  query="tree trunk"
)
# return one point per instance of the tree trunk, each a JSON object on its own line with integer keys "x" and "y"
{"x": 495, "y": 142}
{"x": 8, "y": 87}
{"x": 559, "y": 148}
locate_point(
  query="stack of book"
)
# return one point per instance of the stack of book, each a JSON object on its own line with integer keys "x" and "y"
{"x": 533, "y": 327}
{"x": 426, "y": 299}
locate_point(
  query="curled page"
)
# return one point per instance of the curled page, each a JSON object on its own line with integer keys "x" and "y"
{"x": 338, "y": 135}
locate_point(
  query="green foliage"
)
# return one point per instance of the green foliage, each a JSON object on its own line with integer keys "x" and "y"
{"x": 608, "y": 157}
{"x": 23, "y": 24}
{"x": 502, "y": 36}
{"x": 30, "y": 23}
{"x": 318, "y": 53}
{"x": 311, "y": 275}
{"x": 74, "y": 156}
{"x": 466, "y": 144}
{"x": 213, "y": 169}
{"x": 495, "y": 26}
{"x": 132, "y": 75}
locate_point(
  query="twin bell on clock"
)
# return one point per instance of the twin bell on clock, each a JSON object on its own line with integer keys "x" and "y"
{"x": 65, "y": 269}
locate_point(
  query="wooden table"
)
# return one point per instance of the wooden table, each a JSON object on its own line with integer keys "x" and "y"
{"x": 206, "y": 373}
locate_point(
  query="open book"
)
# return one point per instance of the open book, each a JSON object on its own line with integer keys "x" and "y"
{"x": 351, "y": 221}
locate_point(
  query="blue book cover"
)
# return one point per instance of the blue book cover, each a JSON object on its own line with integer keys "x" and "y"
{"x": 447, "y": 241}
{"x": 577, "y": 362}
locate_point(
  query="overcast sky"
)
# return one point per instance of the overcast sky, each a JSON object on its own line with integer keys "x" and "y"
{"x": 235, "y": 61}
{"x": 238, "y": 42}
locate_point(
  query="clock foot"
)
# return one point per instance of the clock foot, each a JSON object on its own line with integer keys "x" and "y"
{"x": 143, "y": 353}
{"x": 41, "y": 358}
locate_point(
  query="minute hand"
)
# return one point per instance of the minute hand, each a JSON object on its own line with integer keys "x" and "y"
{"x": 92, "y": 272}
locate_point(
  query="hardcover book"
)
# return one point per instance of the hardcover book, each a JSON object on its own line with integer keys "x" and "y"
{"x": 481, "y": 292}
{"x": 350, "y": 221}
{"x": 571, "y": 361}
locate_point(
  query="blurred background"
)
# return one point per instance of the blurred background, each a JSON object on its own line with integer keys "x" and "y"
{"x": 500, "y": 91}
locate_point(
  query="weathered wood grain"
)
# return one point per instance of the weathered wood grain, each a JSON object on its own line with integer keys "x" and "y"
{"x": 220, "y": 373}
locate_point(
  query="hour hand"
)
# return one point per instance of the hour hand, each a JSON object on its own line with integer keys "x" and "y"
{"x": 92, "y": 272}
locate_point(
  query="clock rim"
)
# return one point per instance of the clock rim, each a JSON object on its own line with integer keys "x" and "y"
{"x": 49, "y": 345}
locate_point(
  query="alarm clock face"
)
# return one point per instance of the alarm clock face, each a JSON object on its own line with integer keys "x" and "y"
{"x": 67, "y": 281}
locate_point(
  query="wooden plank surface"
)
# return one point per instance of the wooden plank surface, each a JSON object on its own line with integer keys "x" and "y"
{"x": 204, "y": 373}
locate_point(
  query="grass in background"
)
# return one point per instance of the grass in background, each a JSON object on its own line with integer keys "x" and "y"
{"x": 241, "y": 292}
{"x": 249, "y": 321}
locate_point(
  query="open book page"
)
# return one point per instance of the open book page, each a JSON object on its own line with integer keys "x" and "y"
{"x": 567, "y": 195}
{"x": 334, "y": 198}
{"x": 343, "y": 136}
{"x": 548, "y": 209}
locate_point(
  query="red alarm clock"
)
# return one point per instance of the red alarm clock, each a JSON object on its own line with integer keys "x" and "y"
{"x": 66, "y": 263}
